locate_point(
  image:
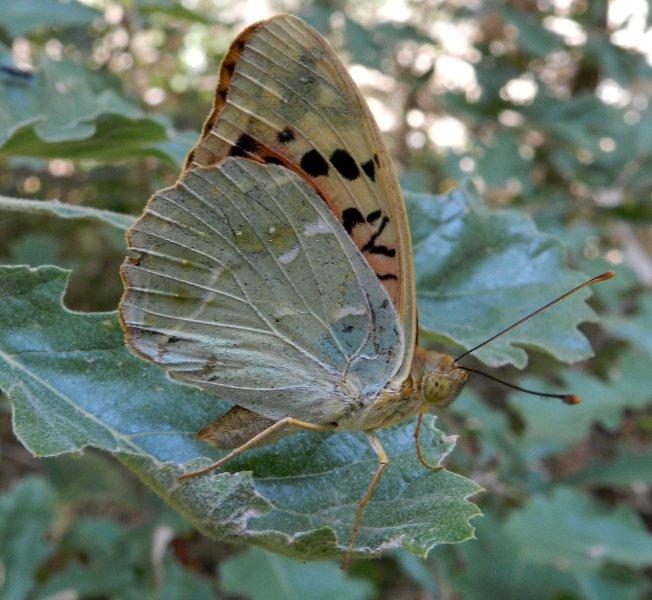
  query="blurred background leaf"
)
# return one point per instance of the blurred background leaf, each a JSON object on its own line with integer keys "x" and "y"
{"x": 261, "y": 575}
{"x": 25, "y": 514}
{"x": 20, "y": 18}
{"x": 543, "y": 105}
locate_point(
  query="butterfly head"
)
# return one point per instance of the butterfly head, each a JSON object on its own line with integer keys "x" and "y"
{"x": 441, "y": 389}
{"x": 438, "y": 378}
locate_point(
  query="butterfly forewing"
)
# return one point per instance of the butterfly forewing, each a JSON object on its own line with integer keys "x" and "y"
{"x": 284, "y": 97}
{"x": 245, "y": 284}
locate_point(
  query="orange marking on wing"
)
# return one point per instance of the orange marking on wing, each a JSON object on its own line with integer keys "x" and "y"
{"x": 226, "y": 69}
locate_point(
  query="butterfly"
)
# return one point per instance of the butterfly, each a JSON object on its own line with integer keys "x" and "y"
{"x": 277, "y": 272}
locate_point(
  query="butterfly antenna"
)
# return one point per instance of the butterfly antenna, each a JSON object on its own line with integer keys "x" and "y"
{"x": 597, "y": 279}
{"x": 566, "y": 398}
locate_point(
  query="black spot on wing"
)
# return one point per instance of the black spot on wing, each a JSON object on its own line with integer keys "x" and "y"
{"x": 236, "y": 151}
{"x": 313, "y": 163}
{"x": 345, "y": 164}
{"x": 244, "y": 144}
{"x": 369, "y": 169}
{"x": 373, "y": 216}
{"x": 374, "y": 248}
{"x": 285, "y": 136}
{"x": 272, "y": 160}
{"x": 351, "y": 218}
{"x": 386, "y": 276}
{"x": 384, "y": 250}
{"x": 376, "y": 160}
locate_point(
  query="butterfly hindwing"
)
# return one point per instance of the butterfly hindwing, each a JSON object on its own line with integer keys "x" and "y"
{"x": 245, "y": 284}
{"x": 284, "y": 97}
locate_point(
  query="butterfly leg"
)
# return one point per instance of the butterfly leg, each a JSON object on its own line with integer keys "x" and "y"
{"x": 420, "y": 456}
{"x": 383, "y": 461}
{"x": 287, "y": 422}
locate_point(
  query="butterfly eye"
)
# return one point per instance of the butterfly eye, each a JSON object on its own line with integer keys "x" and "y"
{"x": 436, "y": 389}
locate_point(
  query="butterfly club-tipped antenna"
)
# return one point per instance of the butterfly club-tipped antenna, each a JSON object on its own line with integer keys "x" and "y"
{"x": 567, "y": 398}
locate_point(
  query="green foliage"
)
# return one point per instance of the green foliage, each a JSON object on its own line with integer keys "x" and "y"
{"x": 260, "y": 575}
{"x": 63, "y": 111}
{"x": 114, "y": 557}
{"x": 100, "y": 101}
{"x": 96, "y": 556}
{"x": 499, "y": 570}
{"x": 514, "y": 270}
{"x": 635, "y": 328}
{"x": 628, "y": 468}
{"x": 73, "y": 384}
{"x": 25, "y": 514}
{"x": 547, "y": 431}
{"x": 20, "y": 18}
{"x": 503, "y": 568}
{"x": 64, "y": 211}
{"x": 569, "y": 529}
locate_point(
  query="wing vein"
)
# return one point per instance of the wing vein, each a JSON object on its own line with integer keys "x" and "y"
{"x": 354, "y": 270}
{"x": 280, "y": 267}
{"x": 370, "y": 187}
{"x": 246, "y": 259}
{"x": 306, "y": 254}
{"x": 249, "y": 302}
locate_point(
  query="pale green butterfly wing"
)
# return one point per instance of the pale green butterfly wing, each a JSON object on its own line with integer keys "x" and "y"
{"x": 246, "y": 285}
{"x": 284, "y": 97}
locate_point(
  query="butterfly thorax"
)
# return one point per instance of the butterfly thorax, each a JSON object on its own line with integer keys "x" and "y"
{"x": 434, "y": 382}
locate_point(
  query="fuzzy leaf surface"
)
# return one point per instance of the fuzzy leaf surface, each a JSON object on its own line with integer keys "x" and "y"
{"x": 73, "y": 384}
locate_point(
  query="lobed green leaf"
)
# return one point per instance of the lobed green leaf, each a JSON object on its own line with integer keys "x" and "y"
{"x": 569, "y": 528}
{"x": 63, "y": 111}
{"x": 478, "y": 271}
{"x": 73, "y": 384}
